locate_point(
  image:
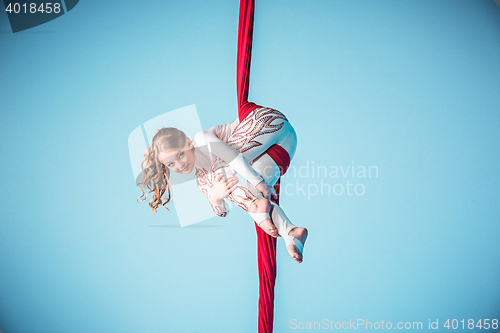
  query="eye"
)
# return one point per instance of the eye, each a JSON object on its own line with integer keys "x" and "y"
{"x": 170, "y": 165}
{"x": 181, "y": 155}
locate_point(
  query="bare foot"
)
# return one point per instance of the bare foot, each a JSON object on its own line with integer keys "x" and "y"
{"x": 269, "y": 228}
{"x": 301, "y": 235}
{"x": 263, "y": 206}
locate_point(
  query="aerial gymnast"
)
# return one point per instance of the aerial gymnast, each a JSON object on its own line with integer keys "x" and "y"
{"x": 259, "y": 145}
{"x": 247, "y": 146}
{"x": 216, "y": 156}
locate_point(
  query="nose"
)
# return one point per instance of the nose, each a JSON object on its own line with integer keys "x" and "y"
{"x": 180, "y": 165}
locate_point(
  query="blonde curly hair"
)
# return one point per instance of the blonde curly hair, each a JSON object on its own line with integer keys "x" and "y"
{"x": 155, "y": 175}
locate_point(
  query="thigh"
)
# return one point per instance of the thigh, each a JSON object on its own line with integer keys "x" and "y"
{"x": 261, "y": 129}
{"x": 267, "y": 169}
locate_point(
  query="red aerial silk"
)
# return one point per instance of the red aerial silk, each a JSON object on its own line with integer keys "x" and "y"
{"x": 266, "y": 244}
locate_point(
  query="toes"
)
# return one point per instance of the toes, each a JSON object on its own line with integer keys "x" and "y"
{"x": 295, "y": 254}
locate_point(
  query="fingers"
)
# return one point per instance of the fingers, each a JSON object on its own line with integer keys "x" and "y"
{"x": 232, "y": 179}
{"x": 273, "y": 193}
{"x": 269, "y": 192}
{"x": 219, "y": 178}
{"x": 232, "y": 188}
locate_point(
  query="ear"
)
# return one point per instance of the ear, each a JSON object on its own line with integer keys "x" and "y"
{"x": 189, "y": 143}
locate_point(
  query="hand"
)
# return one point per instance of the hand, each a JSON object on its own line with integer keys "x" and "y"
{"x": 221, "y": 188}
{"x": 267, "y": 191}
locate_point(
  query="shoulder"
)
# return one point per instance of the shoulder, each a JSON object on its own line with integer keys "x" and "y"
{"x": 219, "y": 132}
{"x": 199, "y": 139}
{"x": 224, "y": 131}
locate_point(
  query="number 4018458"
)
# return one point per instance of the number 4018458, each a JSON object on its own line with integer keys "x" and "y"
{"x": 471, "y": 324}
{"x": 33, "y": 8}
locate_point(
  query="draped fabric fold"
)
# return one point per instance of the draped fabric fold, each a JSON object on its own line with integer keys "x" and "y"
{"x": 245, "y": 33}
{"x": 266, "y": 244}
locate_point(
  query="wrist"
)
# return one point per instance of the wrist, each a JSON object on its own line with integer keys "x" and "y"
{"x": 215, "y": 201}
{"x": 260, "y": 183}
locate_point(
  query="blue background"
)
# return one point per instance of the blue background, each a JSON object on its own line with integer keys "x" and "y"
{"x": 408, "y": 86}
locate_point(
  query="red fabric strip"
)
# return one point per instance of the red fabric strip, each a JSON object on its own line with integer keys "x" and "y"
{"x": 245, "y": 35}
{"x": 266, "y": 249}
{"x": 266, "y": 245}
{"x": 280, "y": 157}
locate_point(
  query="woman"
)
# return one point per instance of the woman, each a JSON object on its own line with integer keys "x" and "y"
{"x": 216, "y": 155}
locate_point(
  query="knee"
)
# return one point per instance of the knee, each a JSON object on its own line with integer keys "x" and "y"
{"x": 259, "y": 206}
{"x": 253, "y": 207}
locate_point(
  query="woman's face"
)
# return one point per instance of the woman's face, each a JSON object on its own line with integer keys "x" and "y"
{"x": 179, "y": 160}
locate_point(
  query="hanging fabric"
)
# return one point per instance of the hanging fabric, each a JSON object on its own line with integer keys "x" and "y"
{"x": 266, "y": 245}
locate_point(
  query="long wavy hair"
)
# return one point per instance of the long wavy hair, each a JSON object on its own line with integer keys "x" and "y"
{"x": 155, "y": 175}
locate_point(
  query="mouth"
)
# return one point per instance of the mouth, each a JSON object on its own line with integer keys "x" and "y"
{"x": 185, "y": 169}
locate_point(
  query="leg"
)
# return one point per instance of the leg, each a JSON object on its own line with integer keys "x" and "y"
{"x": 264, "y": 164}
{"x": 260, "y": 130}
{"x": 293, "y": 236}
{"x": 259, "y": 210}
{"x": 266, "y": 168}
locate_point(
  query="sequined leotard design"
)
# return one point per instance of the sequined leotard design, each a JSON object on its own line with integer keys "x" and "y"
{"x": 243, "y": 144}
{"x": 206, "y": 176}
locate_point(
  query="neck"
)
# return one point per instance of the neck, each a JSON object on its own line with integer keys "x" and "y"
{"x": 202, "y": 160}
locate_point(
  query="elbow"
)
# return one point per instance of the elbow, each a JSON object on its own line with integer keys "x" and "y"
{"x": 199, "y": 139}
{"x": 220, "y": 213}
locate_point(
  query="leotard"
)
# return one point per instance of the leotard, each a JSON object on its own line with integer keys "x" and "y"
{"x": 244, "y": 145}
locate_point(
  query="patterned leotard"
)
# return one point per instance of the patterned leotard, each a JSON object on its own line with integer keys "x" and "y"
{"x": 249, "y": 139}
{"x": 205, "y": 178}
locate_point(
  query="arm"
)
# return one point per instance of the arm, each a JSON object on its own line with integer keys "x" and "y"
{"x": 208, "y": 140}
{"x": 219, "y": 208}
{"x": 217, "y": 191}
